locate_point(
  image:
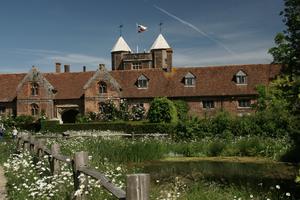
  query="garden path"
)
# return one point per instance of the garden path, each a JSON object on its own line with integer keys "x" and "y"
{"x": 2, "y": 184}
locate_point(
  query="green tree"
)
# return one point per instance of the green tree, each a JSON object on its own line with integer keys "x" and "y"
{"x": 162, "y": 110}
{"x": 287, "y": 53}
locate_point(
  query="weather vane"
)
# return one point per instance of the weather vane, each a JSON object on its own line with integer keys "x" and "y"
{"x": 120, "y": 27}
{"x": 160, "y": 25}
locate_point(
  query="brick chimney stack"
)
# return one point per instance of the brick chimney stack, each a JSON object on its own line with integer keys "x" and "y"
{"x": 84, "y": 68}
{"x": 57, "y": 67}
{"x": 67, "y": 68}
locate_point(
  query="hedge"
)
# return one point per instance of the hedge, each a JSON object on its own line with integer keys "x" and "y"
{"x": 127, "y": 127}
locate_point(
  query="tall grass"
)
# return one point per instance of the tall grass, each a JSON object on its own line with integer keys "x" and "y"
{"x": 121, "y": 150}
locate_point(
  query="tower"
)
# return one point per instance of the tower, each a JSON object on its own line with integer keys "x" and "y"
{"x": 161, "y": 53}
{"x": 117, "y": 53}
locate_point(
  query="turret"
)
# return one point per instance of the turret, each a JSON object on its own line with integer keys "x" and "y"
{"x": 161, "y": 53}
{"x": 117, "y": 52}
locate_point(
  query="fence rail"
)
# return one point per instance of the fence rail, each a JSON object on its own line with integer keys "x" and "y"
{"x": 137, "y": 185}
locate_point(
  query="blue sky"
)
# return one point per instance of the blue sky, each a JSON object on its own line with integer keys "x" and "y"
{"x": 77, "y": 32}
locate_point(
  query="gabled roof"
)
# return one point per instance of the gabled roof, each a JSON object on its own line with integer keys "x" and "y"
{"x": 211, "y": 81}
{"x": 160, "y": 43}
{"x": 189, "y": 75}
{"x": 240, "y": 73}
{"x": 8, "y": 86}
{"x": 121, "y": 45}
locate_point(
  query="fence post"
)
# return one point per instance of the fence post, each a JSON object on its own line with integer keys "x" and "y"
{"x": 26, "y": 144}
{"x": 39, "y": 147}
{"x": 54, "y": 164}
{"x": 137, "y": 187}
{"x": 19, "y": 144}
{"x": 31, "y": 143}
{"x": 80, "y": 161}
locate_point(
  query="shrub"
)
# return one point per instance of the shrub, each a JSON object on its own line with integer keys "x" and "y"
{"x": 182, "y": 109}
{"x": 137, "y": 112}
{"x": 162, "y": 110}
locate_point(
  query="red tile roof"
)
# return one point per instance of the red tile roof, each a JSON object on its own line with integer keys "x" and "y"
{"x": 210, "y": 81}
{"x": 68, "y": 85}
{"x": 8, "y": 85}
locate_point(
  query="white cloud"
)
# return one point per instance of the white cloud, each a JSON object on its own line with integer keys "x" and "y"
{"x": 45, "y": 59}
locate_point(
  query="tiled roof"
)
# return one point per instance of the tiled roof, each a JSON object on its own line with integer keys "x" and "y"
{"x": 68, "y": 85}
{"x": 210, "y": 81}
{"x": 8, "y": 86}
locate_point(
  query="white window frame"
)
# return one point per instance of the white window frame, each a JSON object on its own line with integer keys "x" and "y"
{"x": 241, "y": 78}
{"x": 136, "y": 65}
{"x": 189, "y": 80}
{"x": 142, "y": 82}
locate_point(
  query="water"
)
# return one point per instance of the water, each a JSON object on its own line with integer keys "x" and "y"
{"x": 257, "y": 176}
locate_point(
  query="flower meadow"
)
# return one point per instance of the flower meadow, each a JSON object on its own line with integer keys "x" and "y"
{"x": 31, "y": 178}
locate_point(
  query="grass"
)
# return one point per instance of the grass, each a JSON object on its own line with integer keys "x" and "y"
{"x": 7, "y": 147}
{"x": 107, "y": 154}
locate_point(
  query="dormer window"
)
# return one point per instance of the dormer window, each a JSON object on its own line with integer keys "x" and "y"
{"x": 142, "y": 82}
{"x": 34, "y": 89}
{"x": 102, "y": 87}
{"x": 241, "y": 78}
{"x": 189, "y": 80}
{"x": 34, "y": 109}
{"x": 136, "y": 65}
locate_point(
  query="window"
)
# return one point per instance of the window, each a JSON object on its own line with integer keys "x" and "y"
{"x": 2, "y": 109}
{"x": 189, "y": 80}
{"x": 136, "y": 65}
{"x": 208, "y": 104}
{"x": 241, "y": 78}
{"x": 34, "y": 89}
{"x": 101, "y": 107}
{"x": 34, "y": 109}
{"x": 102, "y": 87}
{"x": 244, "y": 103}
{"x": 142, "y": 82}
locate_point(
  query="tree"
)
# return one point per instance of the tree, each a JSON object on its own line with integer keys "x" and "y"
{"x": 287, "y": 53}
{"x": 162, "y": 110}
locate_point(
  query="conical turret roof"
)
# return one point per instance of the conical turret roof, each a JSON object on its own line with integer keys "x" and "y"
{"x": 120, "y": 45}
{"x": 160, "y": 43}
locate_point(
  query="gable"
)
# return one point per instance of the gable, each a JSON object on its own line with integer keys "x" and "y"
{"x": 102, "y": 75}
{"x": 36, "y": 77}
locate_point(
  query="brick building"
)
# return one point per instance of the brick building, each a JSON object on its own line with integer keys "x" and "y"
{"x": 136, "y": 77}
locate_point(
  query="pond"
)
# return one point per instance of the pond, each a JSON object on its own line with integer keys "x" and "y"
{"x": 252, "y": 175}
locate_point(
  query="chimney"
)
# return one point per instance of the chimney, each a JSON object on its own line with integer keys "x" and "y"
{"x": 101, "y": 66}
{"x": 84, "y": 68}
{"x": 67, "y": 68}
{"x": 57, "y": 67}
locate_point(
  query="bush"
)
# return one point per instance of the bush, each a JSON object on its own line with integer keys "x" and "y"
{"x": 162, "y": 110}
{"x": 127, "y": 127}
{"x": 182, "y": 109}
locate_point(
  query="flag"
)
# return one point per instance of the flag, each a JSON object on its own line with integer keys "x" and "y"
{"x": 141, "y": 28}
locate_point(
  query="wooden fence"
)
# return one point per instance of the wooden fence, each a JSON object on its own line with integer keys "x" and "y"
{"x": 137, "y": 185}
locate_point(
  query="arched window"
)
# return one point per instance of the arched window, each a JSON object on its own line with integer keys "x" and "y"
{"x": 34, "y": 109}
{"x": 101, "y": 107}
{"x": 34, "y": 89}
{"x": 102, "y": 87}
